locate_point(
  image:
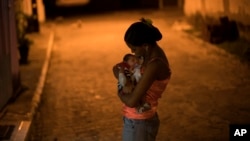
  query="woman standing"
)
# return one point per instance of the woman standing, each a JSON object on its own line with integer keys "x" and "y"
{"x": 141, "y": 37}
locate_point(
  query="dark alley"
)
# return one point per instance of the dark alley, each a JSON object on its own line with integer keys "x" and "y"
{"x": 79, "y": 101}
{"x": 69, "y": 92}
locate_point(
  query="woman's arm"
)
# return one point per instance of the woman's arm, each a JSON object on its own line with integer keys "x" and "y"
{"x": 149, "y": 76}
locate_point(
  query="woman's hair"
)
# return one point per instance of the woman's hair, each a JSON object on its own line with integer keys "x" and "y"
{"x": 142, "y": 32}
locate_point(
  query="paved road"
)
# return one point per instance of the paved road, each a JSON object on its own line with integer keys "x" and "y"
{"x": 208, "y": 91}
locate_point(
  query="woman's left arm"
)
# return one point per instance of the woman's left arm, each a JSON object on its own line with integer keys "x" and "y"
{"x": 149, "y": 76}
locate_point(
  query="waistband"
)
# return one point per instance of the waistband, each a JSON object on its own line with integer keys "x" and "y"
{"x": 154, "y": 117}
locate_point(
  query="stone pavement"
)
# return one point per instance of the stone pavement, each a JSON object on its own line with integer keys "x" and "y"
{"x": 208, "y": 91}
{"x": 209, "y": 88}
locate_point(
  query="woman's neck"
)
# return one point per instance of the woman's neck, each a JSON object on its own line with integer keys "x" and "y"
{"x": 151, "y": 53}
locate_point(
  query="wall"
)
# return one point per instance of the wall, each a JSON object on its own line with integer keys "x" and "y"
{"x": 27, "y": 9}
{"x": 9, "y": 67}
{"x": 235, "y": 9}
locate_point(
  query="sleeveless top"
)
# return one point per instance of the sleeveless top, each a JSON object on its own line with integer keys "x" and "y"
{"x": 152, "y": 95}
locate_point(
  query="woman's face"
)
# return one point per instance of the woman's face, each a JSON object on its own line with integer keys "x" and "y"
{"x": 137, "y": 50}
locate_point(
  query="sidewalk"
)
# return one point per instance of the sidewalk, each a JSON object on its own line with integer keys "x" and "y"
{"x": 20, "y": 112}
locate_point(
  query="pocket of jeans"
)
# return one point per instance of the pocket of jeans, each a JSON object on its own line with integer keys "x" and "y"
{"x": 153, "y": 124}
{"x": 128, "y": 125}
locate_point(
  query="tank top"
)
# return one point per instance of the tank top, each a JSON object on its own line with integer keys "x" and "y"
{"x": 152, "y": 95}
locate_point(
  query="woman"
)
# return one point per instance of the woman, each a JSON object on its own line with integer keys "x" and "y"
{"x": 141, "y": 37}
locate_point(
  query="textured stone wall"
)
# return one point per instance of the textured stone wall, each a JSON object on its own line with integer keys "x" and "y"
{"x": 236, "y": 9}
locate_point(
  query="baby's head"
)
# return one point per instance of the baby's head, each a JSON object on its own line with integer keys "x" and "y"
{"x": 130, "y": 59}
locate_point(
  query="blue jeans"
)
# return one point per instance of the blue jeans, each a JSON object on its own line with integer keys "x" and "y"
{"x": 140, "y": 130}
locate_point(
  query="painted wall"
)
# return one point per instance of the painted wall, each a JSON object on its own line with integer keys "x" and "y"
{"x": 9, "y": 67}
{"x": 235, "y": 9}
{"x": 27, "y": 9}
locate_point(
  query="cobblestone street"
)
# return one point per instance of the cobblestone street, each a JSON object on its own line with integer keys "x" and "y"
{"x": 209, "y": 88}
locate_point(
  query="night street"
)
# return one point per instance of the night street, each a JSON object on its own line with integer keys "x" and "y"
{"x": 209, "y": 88}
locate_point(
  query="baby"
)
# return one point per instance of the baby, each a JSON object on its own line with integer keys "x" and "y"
{"x": 129, "y": 71}
{"x": 129, "y": 76}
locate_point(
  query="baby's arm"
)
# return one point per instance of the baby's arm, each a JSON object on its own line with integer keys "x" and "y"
{"x": 122, "y": 79}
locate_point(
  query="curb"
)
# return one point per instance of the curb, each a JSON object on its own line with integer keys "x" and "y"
{"x": 22, "y": 132}
{"x": 39, "y": 89}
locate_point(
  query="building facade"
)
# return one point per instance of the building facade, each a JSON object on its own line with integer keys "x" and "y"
{"x": 9, "y": 66}
{"x": 235, "y": 9}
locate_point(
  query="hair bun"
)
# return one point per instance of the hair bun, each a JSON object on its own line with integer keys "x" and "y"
{"x": 147, "y": 21}
{"x": 155, "y": 33}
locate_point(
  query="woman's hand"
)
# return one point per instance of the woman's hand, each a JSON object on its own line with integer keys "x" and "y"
{"x": 137, "y": 93}
{"x": 129, "y": 86}
{"x": 127, "y": 89}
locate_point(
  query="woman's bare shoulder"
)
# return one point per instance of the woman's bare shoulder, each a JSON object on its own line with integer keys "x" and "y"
{"x": 162, "y": 66}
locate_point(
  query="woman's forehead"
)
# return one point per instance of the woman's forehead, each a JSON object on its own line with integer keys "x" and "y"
{"x": 132, "y": 57}
{"x": 131, "y": 46}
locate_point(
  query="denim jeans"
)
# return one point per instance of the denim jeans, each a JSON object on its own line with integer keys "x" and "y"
{"x": 140, "y": 130}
